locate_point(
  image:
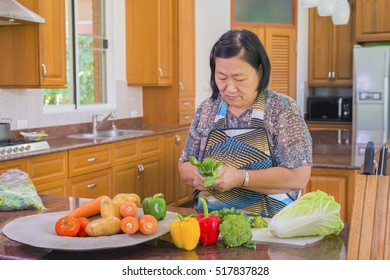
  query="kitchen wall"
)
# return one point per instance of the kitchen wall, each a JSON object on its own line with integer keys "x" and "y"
{"x": 25, "y": 108}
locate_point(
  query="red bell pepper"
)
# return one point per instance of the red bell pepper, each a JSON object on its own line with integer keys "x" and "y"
{"x": 209, "y": 225}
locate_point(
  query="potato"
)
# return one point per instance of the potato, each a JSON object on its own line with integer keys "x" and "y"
{"x": 103, "y": 226}
{"x": 108, "y": 208}
{"x": 123, "y": 197}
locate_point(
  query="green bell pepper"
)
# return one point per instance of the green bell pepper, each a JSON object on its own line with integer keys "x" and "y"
{"x": 155, "y": 206}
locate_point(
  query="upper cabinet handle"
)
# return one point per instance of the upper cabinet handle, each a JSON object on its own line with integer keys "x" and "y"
{"x": 44, "y": 72}
{"x": 181, "y": 87}
{"x": 160, "y": 71}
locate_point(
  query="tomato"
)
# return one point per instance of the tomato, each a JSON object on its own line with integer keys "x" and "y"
{"x": 67, "y": 226}
{"x": 83, "y": 224}
{"x": 129, "y": 224}
{"x": 147, "y": 224}
{"x": 128, "y": 208}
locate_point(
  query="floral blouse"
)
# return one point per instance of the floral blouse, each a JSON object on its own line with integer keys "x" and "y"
{"x": 289, "y": 138}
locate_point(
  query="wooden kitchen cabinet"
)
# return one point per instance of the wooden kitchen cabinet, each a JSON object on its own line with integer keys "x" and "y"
{"x": 34, "y": 55}
{"x": 92, "y": 185}
{"x": 20, "y": 164}
{"x": 336, "y": 182}
{"x": 138, "y": 166}
{"x": 149, "y": 42}
{"x": 177, "y": 192}
{"x": 372, "y": 22}
{"x": 90, "y": 172}
{"x": 176, "y": 101}
{"x": 330, "y": 51}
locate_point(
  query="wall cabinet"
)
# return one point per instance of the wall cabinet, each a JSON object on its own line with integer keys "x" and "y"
{"x": 372, "y": 21}
{"x": 330, "y": 51}
{"x": 176, "y": 191}
{"x": 149, "y": 42}
{"x": 178, "y": 100}
{"x": 34, "y": 55}
{"x": 336, "y": 182}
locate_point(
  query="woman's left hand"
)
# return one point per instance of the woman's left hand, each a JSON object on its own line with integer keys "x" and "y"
{"x": 228, "y": 178}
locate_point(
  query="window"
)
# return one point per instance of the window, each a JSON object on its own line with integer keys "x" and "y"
{"x": 263, "y": 11}
{"x": 86, "y": 47}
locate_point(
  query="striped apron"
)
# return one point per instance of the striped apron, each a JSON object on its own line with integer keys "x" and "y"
{"x": 244, "y": 149}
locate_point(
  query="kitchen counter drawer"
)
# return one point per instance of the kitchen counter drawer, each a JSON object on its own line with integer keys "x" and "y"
{"x": 91, "y": 185}
{"x": 150, "y": 146}
{"x": 48, "y": 168}
{"x": 86, "y": 160}
{"x": 185, "y": 117}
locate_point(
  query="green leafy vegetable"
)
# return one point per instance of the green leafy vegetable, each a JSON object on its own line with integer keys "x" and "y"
{"x": 208, "y": 168}
{"x": 257, "y": 221}
{"x": 315, "y": 213}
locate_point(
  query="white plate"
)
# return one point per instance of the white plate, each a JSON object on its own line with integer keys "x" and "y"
{"x": 38, "y": 231}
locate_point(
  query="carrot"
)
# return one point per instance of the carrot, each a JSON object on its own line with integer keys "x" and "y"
{"x": 128, "y": 208}
{"x": 147, "y": 224}
{"x": 89, "y": 209}
{"x": 129, "y": 224}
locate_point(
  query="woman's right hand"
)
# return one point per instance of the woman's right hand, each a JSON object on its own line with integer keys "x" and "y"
{"x": 199, "y": 181}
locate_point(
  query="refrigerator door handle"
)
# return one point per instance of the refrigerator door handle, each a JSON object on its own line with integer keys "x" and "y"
{"x": 340, "y": 108}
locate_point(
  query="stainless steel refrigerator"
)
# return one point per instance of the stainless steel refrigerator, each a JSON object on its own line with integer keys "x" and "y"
{"x": 371, "y": 104}
{"x": 371, "y": 100}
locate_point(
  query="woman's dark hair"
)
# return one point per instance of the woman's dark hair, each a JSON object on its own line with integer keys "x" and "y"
{"x": 246, "y": 45}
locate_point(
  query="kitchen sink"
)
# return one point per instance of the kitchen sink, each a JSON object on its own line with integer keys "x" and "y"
{"x": 112, "y": 134}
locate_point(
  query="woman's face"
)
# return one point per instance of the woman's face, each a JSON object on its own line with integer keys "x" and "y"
{"x": 237, "y": 81}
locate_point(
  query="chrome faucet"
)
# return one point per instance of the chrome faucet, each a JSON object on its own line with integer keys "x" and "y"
{"x": 96, "y": 124}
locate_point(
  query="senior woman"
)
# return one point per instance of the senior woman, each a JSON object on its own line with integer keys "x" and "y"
{"x": 259, "y": 135}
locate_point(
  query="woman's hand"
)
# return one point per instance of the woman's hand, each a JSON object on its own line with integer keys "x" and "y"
{"x": 228, "y": 178}
{"x": 199, "y": 181}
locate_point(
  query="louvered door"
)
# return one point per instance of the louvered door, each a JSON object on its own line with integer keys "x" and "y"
{"x": 280, "y": 46}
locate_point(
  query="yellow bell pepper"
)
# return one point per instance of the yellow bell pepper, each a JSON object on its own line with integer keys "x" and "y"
{"x": 185, "y": 232}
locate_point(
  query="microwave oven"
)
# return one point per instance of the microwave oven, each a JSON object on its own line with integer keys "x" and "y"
{"x": 322, "y": 108}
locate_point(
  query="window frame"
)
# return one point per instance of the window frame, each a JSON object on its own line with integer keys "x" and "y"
{"x": 110, "y": 98}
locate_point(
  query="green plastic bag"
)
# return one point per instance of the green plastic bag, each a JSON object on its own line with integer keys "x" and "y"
{"x": 17, "y": 192}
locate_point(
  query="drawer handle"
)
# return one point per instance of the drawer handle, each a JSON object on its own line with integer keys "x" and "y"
{"x": 187, "y": 117}
{"x": 141, "y": 171}
{"x": 90, "y": 186}
{"x": 92, "y": 159}
{"x": 186, "y": 104}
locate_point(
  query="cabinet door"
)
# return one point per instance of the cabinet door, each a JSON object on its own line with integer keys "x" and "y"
{"x": 280, "y": 46}
{"x": 25, "y": 48}
{"x": 320, "y": 52}
{"x": 125, "y": 178}
{"x": 183, "y": 191}
{"x": 149, "y": 42}
{"x": 336, "y": 182}
{"x": 151, "y": 177}
{"x": 52, "y": 46}
{"x": 372, "y": 21}
{"x": 330, "y": 52}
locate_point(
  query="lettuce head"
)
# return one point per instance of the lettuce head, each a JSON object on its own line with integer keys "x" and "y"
{"x": 315, "y": 213}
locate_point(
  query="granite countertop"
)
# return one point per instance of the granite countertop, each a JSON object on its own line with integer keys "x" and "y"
{"x": 331, "y": 247}
{"x": 60, "y": 142}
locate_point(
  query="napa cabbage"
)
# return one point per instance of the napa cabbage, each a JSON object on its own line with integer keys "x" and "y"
{"x": 315, "y": 213}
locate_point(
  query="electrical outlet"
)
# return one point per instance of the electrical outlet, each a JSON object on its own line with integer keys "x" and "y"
{"x": 133, "y": 113}
{"x": 22, "y": 124}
